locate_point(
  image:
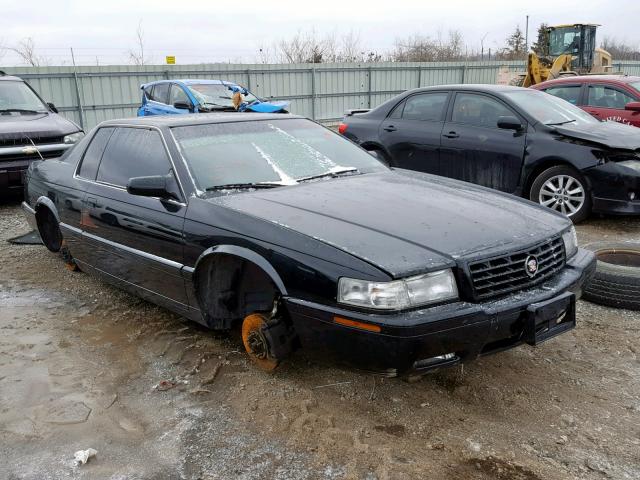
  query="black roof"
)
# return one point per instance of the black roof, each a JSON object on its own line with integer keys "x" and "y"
{"x": 475, "y": 87}
{"x": 198, "y": 119}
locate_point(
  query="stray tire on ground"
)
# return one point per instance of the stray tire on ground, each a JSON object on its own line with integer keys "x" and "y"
{"x": 616, "y": 282}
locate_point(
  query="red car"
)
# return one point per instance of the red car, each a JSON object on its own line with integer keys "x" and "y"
{"x": 607, "y": 97}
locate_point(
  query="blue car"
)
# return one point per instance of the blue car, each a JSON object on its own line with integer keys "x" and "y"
{"x": 167, "y": 97}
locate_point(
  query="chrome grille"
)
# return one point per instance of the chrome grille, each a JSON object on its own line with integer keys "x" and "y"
{"x": 500, "y": 275}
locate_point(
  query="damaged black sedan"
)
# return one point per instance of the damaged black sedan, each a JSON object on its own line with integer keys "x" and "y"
{"x": 278, "y": 226}
{"x": 516, "y": 140}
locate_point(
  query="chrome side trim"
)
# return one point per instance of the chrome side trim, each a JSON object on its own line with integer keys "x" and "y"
{"x": 134, "y": 251}
{"x": 66, "y": 226}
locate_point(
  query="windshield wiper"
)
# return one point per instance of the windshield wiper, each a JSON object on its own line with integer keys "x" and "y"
{"x": 332, "y": 173}
{"x": 559, "y": 123}
{"x": 19, "y": 110}
{"x": 238, "y": 186}
{"x": 218, "y": 105}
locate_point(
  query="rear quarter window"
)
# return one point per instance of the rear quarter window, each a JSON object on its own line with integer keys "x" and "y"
{"x": 93, "y": 155}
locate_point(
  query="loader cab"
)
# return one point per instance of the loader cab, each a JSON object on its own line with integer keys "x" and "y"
{"x": 578, "y": 40}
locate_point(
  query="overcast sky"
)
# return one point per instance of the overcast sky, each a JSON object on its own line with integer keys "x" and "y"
{"x": 216, "y": 31}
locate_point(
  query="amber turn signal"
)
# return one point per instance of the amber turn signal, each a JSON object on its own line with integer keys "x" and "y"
{"x": 355, "y": 324}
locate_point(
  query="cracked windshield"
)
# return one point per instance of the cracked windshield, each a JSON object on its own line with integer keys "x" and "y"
{"x": 268, "y": 153}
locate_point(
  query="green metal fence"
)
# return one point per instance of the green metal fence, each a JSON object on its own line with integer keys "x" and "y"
{"x": 89, "y": 95}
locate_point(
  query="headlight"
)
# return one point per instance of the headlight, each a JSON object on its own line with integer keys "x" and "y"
{"x": 410, "y": 292}
{"x": 633, "y": 164}
{"x": 73, "y": 138}
{"x": 570, "y": 240}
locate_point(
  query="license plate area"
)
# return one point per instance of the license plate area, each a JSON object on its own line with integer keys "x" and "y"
{"x": 545, "y": 320}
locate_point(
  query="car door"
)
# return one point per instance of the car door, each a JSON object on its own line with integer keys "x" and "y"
{"x": 475, "y": 150}
{"x": 137, "y": 240}
{"x": 607, "y": 102}
{"x": 177, "y": 95}
{"x": 411, "y": 133}
{"x": 157, "y": 100}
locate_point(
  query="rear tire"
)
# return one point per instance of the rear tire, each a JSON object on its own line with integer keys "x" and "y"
{"x": 563, "y": 189}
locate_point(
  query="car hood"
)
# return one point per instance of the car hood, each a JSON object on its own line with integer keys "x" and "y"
{"x": 403, "y": 223}
{"x": 13, "y": 127}
{"x": 609, "y": 134}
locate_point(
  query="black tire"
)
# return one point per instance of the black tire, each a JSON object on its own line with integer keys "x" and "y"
{"x": 616, "y": 282}
{"x": 583, "y": 210}
{"x": 48, "y": 229}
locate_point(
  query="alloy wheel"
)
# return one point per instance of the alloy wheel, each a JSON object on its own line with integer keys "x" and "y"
{"x": 562, "y": 193}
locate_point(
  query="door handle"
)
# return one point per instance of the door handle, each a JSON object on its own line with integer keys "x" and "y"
{"x": 91, "y": 202}
{"x": 451, "y": 135}
{"x": 389, "y": 128}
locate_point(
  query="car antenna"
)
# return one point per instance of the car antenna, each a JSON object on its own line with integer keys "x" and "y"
{"x": 36, "y": 147}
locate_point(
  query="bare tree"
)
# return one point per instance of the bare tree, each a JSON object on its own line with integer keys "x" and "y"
{"x": 137, "y": 56}
{"x": 26, "y": 50}
{"x": 418, "y": 48}
{"x": 620, "y": 50}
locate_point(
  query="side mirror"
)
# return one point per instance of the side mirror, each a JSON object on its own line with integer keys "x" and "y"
{"x": 509, "y": 123}
{"x": 182, "y": 105}
{"x": 633, "y": 106}
{"x": 52, "y": 107}
{"x": 151, "y": 186}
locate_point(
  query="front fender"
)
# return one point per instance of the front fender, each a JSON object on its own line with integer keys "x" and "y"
{"x": 246, "y": 254}
{"x": 48, "y": 203}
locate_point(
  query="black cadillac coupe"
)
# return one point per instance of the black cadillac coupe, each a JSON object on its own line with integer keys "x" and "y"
{"x": 276, "y": 224}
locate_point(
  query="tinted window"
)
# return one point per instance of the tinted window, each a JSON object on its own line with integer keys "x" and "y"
{"x": 133, "y": 152}
{"x": 178, "y": 95}
{"x": 569, "y": 93}
{"x": 160, "y": 92}
{"x": 282, "y": 151}
{"x": 93, "y": 155}
{"x": 478, "y": 110}
{"x": 607, "y": 97}
{"x": 425, "y": 106}
{"x": 397, "y": 111}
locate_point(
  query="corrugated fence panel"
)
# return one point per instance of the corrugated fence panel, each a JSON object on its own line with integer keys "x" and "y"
{"x": 319, "y": 91}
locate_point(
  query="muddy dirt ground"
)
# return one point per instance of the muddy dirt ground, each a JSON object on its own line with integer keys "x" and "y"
{"x": 79, "y": 361}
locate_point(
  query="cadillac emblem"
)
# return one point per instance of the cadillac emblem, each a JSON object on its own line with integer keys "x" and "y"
{"x": 531, "y": 266}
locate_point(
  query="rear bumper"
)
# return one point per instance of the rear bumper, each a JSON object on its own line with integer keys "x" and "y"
{"x": 458, "y": 332}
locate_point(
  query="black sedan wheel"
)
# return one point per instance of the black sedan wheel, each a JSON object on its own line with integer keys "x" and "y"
{"x": 563, "y": 189}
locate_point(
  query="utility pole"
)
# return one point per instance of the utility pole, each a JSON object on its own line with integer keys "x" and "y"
{"x": 482, "y": 46}
{"x": 526, "y": 37}
{"x": 75, "y": 79}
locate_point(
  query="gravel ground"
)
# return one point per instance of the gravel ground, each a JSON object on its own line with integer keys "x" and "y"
{"x": 79, "y": 361}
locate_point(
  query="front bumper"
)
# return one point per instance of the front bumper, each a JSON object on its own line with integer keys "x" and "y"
{"x": 14, "y": 161}
{"x": 409, "y": 341}
{"x": 29, "y": 215}
{"x": 615, "y": 189}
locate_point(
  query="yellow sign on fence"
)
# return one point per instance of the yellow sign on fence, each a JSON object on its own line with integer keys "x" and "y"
{"x": 171, "y": 60}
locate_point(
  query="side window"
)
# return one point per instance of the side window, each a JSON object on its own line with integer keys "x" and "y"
{"x": 93, "y": 154}
{"x": 178, "y": 95}
{"x": 425, "y": 106}
{"x": 133, "y": 152}
{"x": 478, "y": 110}
{"x": 607, "y": 97}
{"x": 160, "y": 92}
{"x": 570, "y": 93}
{"x": 148, "y": 92}
{"x": 397, "y": 111}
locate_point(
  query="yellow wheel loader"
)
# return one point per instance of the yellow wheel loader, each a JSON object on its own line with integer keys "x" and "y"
{"x": 572, "y": 51}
